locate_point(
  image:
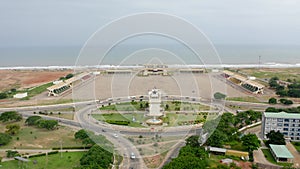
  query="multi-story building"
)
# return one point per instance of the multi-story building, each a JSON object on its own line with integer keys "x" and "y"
{"x": 287, "y": 123}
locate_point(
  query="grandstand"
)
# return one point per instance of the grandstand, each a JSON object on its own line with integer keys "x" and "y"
{"x": 247, "y": 83}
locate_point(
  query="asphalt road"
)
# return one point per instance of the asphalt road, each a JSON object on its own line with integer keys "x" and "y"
{"x": 124, "y": 146}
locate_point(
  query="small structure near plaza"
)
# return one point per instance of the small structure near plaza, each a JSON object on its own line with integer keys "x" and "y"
{"x": 281, "y": 153}
{"x": 154, "y": 107}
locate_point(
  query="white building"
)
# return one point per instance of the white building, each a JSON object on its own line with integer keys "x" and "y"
{"x": 20, "y": 95}
{"x": 154, "y": 103}
{"x": 286, "y": 123}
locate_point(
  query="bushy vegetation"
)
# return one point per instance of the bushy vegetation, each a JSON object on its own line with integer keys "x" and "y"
{"x": 194, "y": 156}
{"x": 227, "y": 131}
{"x": 190, "y": 156}
{"x": 41, "y": 123}
{"x": 4, "y": 139}
{"x": 96, "y": 158}
{"x": 10, "y": 116}
{"x": 219, "y": 96}
{"x": 292, "y": 90}
{"x": 3, "y": 95}
{"x": 118, "y": 122}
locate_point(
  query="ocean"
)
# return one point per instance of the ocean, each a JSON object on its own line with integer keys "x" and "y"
{"x": 125, "y": 55}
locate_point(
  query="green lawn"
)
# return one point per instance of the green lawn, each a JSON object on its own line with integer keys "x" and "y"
{"x": 296, "y": 145}
{"x": 176, "y": 119}
{"x": 185, "y": 106}
{"x": 236, "y": 145}
{"x": 244, "y": 99}
{"x": 128, "y": 106}
{"x": 139, "y": 117}
{"x": 68, "y": 160}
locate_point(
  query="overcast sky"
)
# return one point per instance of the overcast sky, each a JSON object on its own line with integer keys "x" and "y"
{"x": 71, "y": 22}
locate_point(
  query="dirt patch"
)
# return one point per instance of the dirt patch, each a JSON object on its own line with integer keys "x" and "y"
{"x": 28, "y": 78}
{"x": 154, "y": 161}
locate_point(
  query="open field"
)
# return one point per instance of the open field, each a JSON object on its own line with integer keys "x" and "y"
{"x": 33, "y": 137}
{"x": 114, "y": 86}
{"x": 66, "y": 160}
{"x": 24, "y": 79}
{"x": 281, "y": 73}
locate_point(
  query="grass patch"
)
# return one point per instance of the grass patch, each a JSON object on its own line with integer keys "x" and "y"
{"x": 185, "y": 106}
{"x": 68, "y": 160}
{"x": 296, "y": 145}
{"x": 128, "y": 106}
{"x": 244, "y": 99}
{"x": 39, "y": 89}
{"x": 139, "y": 118}
{"x": 37, "y": 138}
{"x": 236, "y": 145}
{"x": 269, "y": 156}
{"x": 174, "y": 119}
{"x": 284, "y": 73}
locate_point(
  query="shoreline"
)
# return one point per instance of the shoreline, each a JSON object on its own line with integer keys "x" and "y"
{"x": 212, "y": 66}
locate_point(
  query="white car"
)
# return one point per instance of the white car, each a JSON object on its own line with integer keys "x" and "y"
{"x": 115, "y": 135}
{"x": 132, "y": 156}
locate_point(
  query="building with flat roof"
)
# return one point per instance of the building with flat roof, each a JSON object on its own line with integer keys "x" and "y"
{"x": 286, "y": 123}
{"x": 20, "y": 95}
{"x": 60, "y": 88}
{"x": 154, "y": 69}
{"x": 281, "y": 153}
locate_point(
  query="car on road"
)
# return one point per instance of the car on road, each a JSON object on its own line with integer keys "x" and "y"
{"x": 132, "y": 155}
{"x": 115, "y": 135}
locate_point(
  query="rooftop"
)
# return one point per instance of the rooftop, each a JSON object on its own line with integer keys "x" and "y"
{"x": 282, "y": 115}
{"x": 281, "y": 151}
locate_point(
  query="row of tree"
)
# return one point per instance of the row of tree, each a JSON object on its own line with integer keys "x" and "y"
{"x": 288, "y": 110}
{"x": 283, "y": 101}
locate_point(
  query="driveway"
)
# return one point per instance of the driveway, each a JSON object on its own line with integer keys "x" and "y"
{"x": 295, "y": 153}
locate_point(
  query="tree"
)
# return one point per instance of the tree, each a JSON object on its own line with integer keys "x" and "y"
{"x": 12, "y": 129}
{"x": 219, "y": 96}
{"x": 11, "y": 153}
{"x": 3, "y": 95}
{"x": 10, "y": 116}
{"x": 272, "y": 101}
{"x": 96, "y": 158}
{"x": 193, "y": 141}
{"x": 217, "y": 139}
{"x": 81, "y": 134}
{"x": 69, "y": 76}
{"x": 47, "y": 124}
{"x": 186, "y": 162}
{"x": 251, "y": 142}
{"x": 275, "y": 138}
{"x": 4, "y": 139}
{"x": 33, "y": 120}
{"x": 271, "y": 109}
{"x": 167, "y": 107}
{"x": 288, "y": 102}
{"x": 273, "y": 82}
